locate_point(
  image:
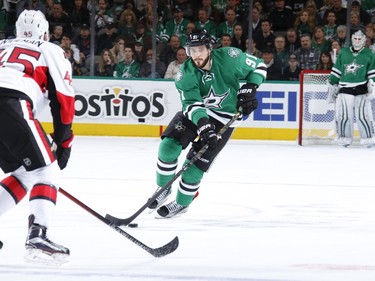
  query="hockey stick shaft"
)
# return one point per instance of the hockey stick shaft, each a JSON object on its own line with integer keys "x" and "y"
{"x": 126, "y": 221}
{"x": 158, "y": 252}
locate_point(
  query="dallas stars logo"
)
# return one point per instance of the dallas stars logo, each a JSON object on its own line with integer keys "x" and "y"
{"x": 352, "y": 67}
{"x": 214, "y": 101}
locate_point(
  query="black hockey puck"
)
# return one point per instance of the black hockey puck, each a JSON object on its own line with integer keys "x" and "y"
{"x": 1, "y": 244}
{"x": 133, "y": 225}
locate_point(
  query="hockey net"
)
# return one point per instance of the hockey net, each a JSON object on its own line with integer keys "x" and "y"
{"x": 316, "y": 115}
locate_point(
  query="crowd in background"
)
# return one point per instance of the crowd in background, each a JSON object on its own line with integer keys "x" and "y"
{"x": 289, "y": 36}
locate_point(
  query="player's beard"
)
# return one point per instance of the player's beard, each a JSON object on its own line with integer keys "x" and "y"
{"x": 200, "y": 63}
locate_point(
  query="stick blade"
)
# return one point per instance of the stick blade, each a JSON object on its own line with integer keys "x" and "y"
{"x": 117, "y": 221}
{"x": 166, "y": 249}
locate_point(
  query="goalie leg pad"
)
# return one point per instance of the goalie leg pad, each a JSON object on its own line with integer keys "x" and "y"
{"x": 363, "y": 114}
{"x": 344, "y": 116}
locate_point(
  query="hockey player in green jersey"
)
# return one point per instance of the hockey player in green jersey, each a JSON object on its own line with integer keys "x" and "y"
{"x": 351, "y": 89}
{"x": 209, "y": 87}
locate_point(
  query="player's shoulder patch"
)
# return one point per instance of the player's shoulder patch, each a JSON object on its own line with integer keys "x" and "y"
{"x": 234, "y": 52}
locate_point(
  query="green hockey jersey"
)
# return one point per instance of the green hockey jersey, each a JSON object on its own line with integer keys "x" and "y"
{"x": 352, "y": 71}
{"x": 214, "y": 93}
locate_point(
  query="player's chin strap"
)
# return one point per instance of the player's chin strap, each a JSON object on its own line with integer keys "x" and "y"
{"x": 126, "y": 221}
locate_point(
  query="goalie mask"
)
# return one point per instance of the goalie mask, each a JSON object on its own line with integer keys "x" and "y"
{"x": 358, "y": 40}
{"x": 32, "y": 24}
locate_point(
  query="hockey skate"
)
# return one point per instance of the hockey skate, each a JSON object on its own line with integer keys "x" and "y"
{"x": 171, "y": 210}
{"x": 160, "y": 199}
{"x": 40, "y": 249}
{"x": 369, "y": 142}
{"x": 345, "y": 142}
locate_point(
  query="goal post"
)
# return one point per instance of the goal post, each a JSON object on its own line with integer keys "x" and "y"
{"x": 316, "y": 115}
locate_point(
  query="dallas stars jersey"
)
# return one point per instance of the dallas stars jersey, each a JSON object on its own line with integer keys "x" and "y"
{"x": 214, "y": 93}
{"x": 38, "y": 71}
{"x": 352, "y": 71}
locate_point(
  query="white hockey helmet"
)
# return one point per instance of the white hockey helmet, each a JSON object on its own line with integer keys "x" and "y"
{"x": 358, "y": 40}
{"x": 32, "y": 24}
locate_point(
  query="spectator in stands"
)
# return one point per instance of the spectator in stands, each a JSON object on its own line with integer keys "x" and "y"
{"x": 140, "y": 36}
{"x": 36, "y": 5}
{"x": 174, "y": 67}
{"x": 293, "y": 70}
{"x": 59, "y": 16}
{"x": 146, "y": 67}
{"x": 325, "y": 61}
{"x": 128, "y": 68}
{"x": 314, "y": 16}
{"x": 330, "y": 27}
{"x": 226, "y": 40}
{"x": 107, "y": 39}
{"x": 263, "y": 14}
{"x": 341, "y": 36}
{"x": 80, "y": 15}
{"x": 187, "y": 8}
{"x": 66, "y": 43}
{"x": 139, "y": 52}
{"x": 239, "y": 37}
{"x": 106, "y": 64}
{"x": 281, "y": 54}
{"x": 306, "y": 54}
{"x": 339, "y": 10}
{"x": 274, "y": 71}
{"x": 364, "y": 16}
{"x": 302, "y": 24}
{"x": 204, "y": 22}
{"x": 319, "y": 41}
{"x": 235, "y": 6}
{"x": 76, "y": 68}
{"x": 253, "y": 51}
{"x": 49, "y": 8}
{"x": 370, "y": 32}
{"x": 102, "y": 16}
{"x": 148, "y": 24}
{"x": 177, "y": 25}
{"x": 281, "y": 17}
{"x": 227, "y": 25}
{"x": 189, "y": 28}
{"x": 127, "y": 23}
{"x": 355, "y": 22}
{"x": 335, "y": 50}
{"x": 57, "y": 33}
{"x": 256, "y": 22}
{"x": 266, "y": 38}
{"x": 212, "y": 12}
{"x": 292, "y": 41}
{"x": 118, "y": 49}
{"x": 83, "y": 42}
{"x": 169, "y": 53}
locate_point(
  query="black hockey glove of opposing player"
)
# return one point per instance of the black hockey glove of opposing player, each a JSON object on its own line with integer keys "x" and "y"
{"x": 207, "y": 133}
{"x": 63, "y": 152}
{"x": 246, "y": 100}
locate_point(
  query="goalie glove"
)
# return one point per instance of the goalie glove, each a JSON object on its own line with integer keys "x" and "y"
{"x": 207, "y": 133}
{"x": 333, "y": 91}
{"x": 246, "y": 100}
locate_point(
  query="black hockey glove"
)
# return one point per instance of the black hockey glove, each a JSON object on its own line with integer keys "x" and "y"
{"x": 246, "y": 100}
{"x": 207, "y": 133}
{"x": 63, "y": 152}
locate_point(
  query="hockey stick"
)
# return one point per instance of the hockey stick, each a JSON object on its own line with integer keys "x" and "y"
{"x": 157, "y": 252}
{"x": 126, "y": 221}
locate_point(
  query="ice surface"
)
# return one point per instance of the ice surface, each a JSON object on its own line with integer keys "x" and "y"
{"x": 267, "y": 211}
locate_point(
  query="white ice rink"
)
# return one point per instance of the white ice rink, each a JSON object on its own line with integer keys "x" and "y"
{"x": 267, "y": 211}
